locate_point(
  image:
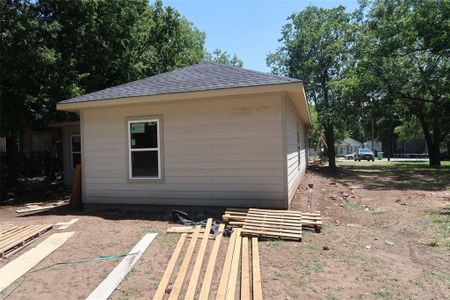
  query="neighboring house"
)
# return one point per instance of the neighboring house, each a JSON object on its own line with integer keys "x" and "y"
{"x": 347, "y": 146}
{"x": 377, "y": 146}
{"x": 207, "y": 134}
{"x": 71, "y": 147}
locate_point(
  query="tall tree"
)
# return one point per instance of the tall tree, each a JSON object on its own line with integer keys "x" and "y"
{"x": 315, "y": 49}
{"x": 407, "y": 49}
{"x": 222, "y": 57}
{"x": 52, "y": 50}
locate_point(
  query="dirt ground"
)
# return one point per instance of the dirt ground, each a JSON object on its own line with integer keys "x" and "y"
{"x": 386, "y": 235}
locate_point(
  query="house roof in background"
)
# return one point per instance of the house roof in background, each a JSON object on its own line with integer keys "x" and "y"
{"x": 201, "y": 77}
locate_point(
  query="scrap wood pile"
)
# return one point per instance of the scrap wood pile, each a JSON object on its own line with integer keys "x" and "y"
{"x": 239, "y": 275}
{"x": 39, "y": 206}
{"x": 284, "y": 224}
{"x": 14, "y": 238}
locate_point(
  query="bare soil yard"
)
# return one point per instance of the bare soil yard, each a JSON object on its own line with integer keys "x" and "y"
{"x": 386, "y": 235}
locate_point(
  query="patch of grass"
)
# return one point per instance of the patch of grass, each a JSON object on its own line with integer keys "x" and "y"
{"x": 277, "y": 243}
{"x": 352, "y": 206}
{"x": 108, "y": 245}
{"x": 433, "y": 243}
{"x": 439, "y": 226}
{"x": 383, "y": 294}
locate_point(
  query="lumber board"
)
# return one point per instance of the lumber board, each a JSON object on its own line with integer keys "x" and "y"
{"x": 14, "y": 232}
{"x": 206, "y": 286}
{"x": 287, "y": 218}
{"x": 234, "y": 271}
{"x": 107, "y": 286}
{"x": 279, "y": 224}
{"x": 245, "y": 272}
{"x": 221, "y": 291}
{"x": 271, "y": 229}
{"x": 190, "y": 293}
{"x": 251, "y": 232}
{"x": 159, "y": 295}
{"x": 256, "y": 272}
{"x": 176, "y": 289}
{"x": 182, "y": 229}
{"x": 68, "y": 224}
{"x": 22, "y": 264}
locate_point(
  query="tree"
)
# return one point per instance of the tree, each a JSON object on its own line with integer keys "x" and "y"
{"x": 222, "y": 57}
{"x": 53, "y": 50}
{"x": 315, "y": 49}
{"x": 407, "y": 50}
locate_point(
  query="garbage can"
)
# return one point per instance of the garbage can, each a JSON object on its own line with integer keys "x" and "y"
{"x": 380, "y": 155}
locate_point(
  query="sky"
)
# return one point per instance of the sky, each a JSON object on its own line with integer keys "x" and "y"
{"x": 248, "y": 28}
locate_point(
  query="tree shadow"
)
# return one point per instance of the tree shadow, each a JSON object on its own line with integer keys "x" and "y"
{"x": 404, "y": 176}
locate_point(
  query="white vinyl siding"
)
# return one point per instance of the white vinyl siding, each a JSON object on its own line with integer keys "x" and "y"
{"x": 219, "y": 151}
{"x": 296, "y": 150}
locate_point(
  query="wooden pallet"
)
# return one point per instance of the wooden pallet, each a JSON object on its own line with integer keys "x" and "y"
{"x": 229, "y": 272}
{"x": 238, "y": 216}
{"x": 272, "y": 224}
{"x": 14, "y": 238}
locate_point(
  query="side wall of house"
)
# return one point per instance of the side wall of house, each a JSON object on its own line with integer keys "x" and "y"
{"x": 296, "y": 155}
{"x": 216, "y": 152}
{"x": 67, "y": 152}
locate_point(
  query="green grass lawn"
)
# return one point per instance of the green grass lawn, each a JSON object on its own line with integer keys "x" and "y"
{"x": 423, "y": 164}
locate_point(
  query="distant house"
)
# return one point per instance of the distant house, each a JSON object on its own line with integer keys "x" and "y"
{"x": 347, "y": 146}
{"x": 377, "y": 146}
{"x": 208, "y": 134}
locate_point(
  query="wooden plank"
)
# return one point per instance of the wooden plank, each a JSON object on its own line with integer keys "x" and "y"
{"x": 107, "y": 286}
{"x": 251, "y": 232}
{"x": 68, "y": 224}
{"x": 19, "y": 266}
{"x": 159, "y": 295}
{"x": 245, "y": 272}
{"x": 19, "y": 235}
{"x": 287, "y": 218}
{"x": 273, "y": 223}
{"x": 182, "y": 229}
{"x": 14, "y": 232}
{"x": 234, "y": 271}
{"x": 256, "y": 272}
{"x": 190, "y": 293}
{"x": 174, "y": 294}
{"x": 271, "y": 229}
{"x": 206, "y": 286}
{"x": 222, "y": 290}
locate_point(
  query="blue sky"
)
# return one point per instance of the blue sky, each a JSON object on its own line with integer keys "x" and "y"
{"x": 249, "y": 28}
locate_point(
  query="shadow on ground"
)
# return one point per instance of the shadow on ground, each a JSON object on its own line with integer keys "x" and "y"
{"x": 401, "y": 176}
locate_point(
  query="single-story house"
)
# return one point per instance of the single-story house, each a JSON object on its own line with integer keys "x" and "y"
{"x": 207, "y": 134}
{"x": 347, "y": 146}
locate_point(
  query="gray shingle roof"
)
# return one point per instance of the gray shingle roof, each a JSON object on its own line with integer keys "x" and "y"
{"x": 200, "y": 77}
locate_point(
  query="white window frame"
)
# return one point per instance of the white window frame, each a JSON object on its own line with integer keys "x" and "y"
{"x": 158, "y": 149}
{"x": 71, "y": 149}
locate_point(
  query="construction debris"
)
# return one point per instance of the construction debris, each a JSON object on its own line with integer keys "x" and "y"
{"x": 39, "y": 207}
{"x": 107, "y": 286}
{"x": 284, "y": 224}
{"x": 233, "y": 273}
{"x": 14, "y": 238}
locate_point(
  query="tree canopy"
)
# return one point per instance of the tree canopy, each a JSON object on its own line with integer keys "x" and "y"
{"x": 380, "y": 65}
{"x": 52, "y": 50}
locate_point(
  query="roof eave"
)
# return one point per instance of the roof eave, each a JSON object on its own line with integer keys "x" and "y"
{"x": 78, "y": 106}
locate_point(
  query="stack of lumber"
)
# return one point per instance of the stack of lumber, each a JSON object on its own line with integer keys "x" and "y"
{"x": 13, "y": 238}
{"x": 239, "y": 267}
{"x": 40, "y": 206}
{"x": 272, "y": 222}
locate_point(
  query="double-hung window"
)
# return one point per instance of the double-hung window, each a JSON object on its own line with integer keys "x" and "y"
{"x": 144, "y": 148}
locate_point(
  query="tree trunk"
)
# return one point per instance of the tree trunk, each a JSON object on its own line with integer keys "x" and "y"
{"x": 434, "y": 155}
{"x": 329, "y": 136}
{"x": 432, "y": 144}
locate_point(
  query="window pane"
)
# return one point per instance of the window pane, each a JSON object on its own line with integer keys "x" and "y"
{"x": 76, "y": 144}
{"x": 144, "y": 163}
{"x": 144, "y": 135}
{"x": 76, "y": 159}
